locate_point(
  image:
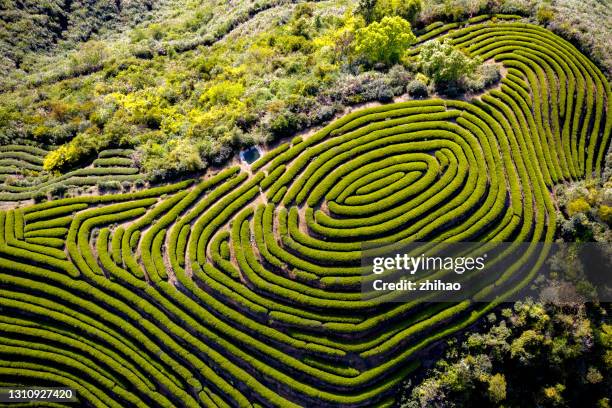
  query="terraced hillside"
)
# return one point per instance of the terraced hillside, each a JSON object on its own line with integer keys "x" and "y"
{"x": 242, "y": 288}
{"x": 22, "y": 177}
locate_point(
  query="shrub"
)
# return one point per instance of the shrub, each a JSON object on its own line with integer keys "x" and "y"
{"x": 58, "y": 190}
{"x": 490, "y": 74}
{"x": 126, "y": 185}
{"x": 485, "y": 76}
{"x": 377, "y": 90}
{"x": 407, "y": 9}
{"x": 89, "y": 58}
{"x": 222, "y": 93}
{"x": 39, "y": 196}
{"x": 579, "y": 205}
{"x": 378, "y": 9}
{"x": 62, "y": 157}
{"x": 111, "y": 185}
{"x": 324, "y": 113}
{"x": 366, "y": 9}
{"x": 417, "y": 89}
{"x": 284, "y": 124}
{"x": 605, "y": 214}
{"x": 398, "y": 76}
{"x": 497, "y": 388}
{"x": 81, "y": 148}
{"x": 187, "y": 156}
{"x": 178, "y": 155}
{"x": 545, "y": 14}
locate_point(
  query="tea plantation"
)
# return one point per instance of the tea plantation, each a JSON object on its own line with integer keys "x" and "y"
{"x": 242, "y": 288}
{"x": 112, "y": 165}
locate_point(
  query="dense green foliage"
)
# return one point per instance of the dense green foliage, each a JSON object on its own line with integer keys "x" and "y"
{"x": 375, "y": 10}
{"x": 585, "y": 208}
{"x": 33, "y": 25}
{"x": 187, "y": 106}
{"x": 186, "y": 91}
{"x": 531, "y": 355}
{"x": 446, "y": 65}
{"x": 384, "y": 41}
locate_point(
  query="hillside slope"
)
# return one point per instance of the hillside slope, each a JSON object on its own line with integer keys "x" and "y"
{"x": 32, "y": 25}
{"x": 187, "y": 83}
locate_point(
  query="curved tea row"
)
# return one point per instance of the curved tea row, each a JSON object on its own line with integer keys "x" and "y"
{"x": 243, "y": 289}
{"x": 22, "y": 176}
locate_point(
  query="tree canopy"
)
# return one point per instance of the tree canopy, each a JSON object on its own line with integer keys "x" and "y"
{"x": 445, "y": 64}
{"x": 384, "y": 41}
{"x": 376, "y": 10}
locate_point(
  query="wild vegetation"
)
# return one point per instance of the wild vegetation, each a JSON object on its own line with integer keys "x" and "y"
{"x": 186, "y": 86}
{"x": 36, "y": 26}
{"x": 531, "y": 355}
{"x": 242, "y": 287}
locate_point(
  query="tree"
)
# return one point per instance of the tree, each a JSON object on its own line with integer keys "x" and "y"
{"x": 446, "y": 65}
{"x": 534, "y": 354}
{"x": 407, "y": 9}
{"x": 384, "y": 41}
{"x": 366, "y": 9}
{"x": 497, "y": 388}
{"x": 376, "y": 10}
